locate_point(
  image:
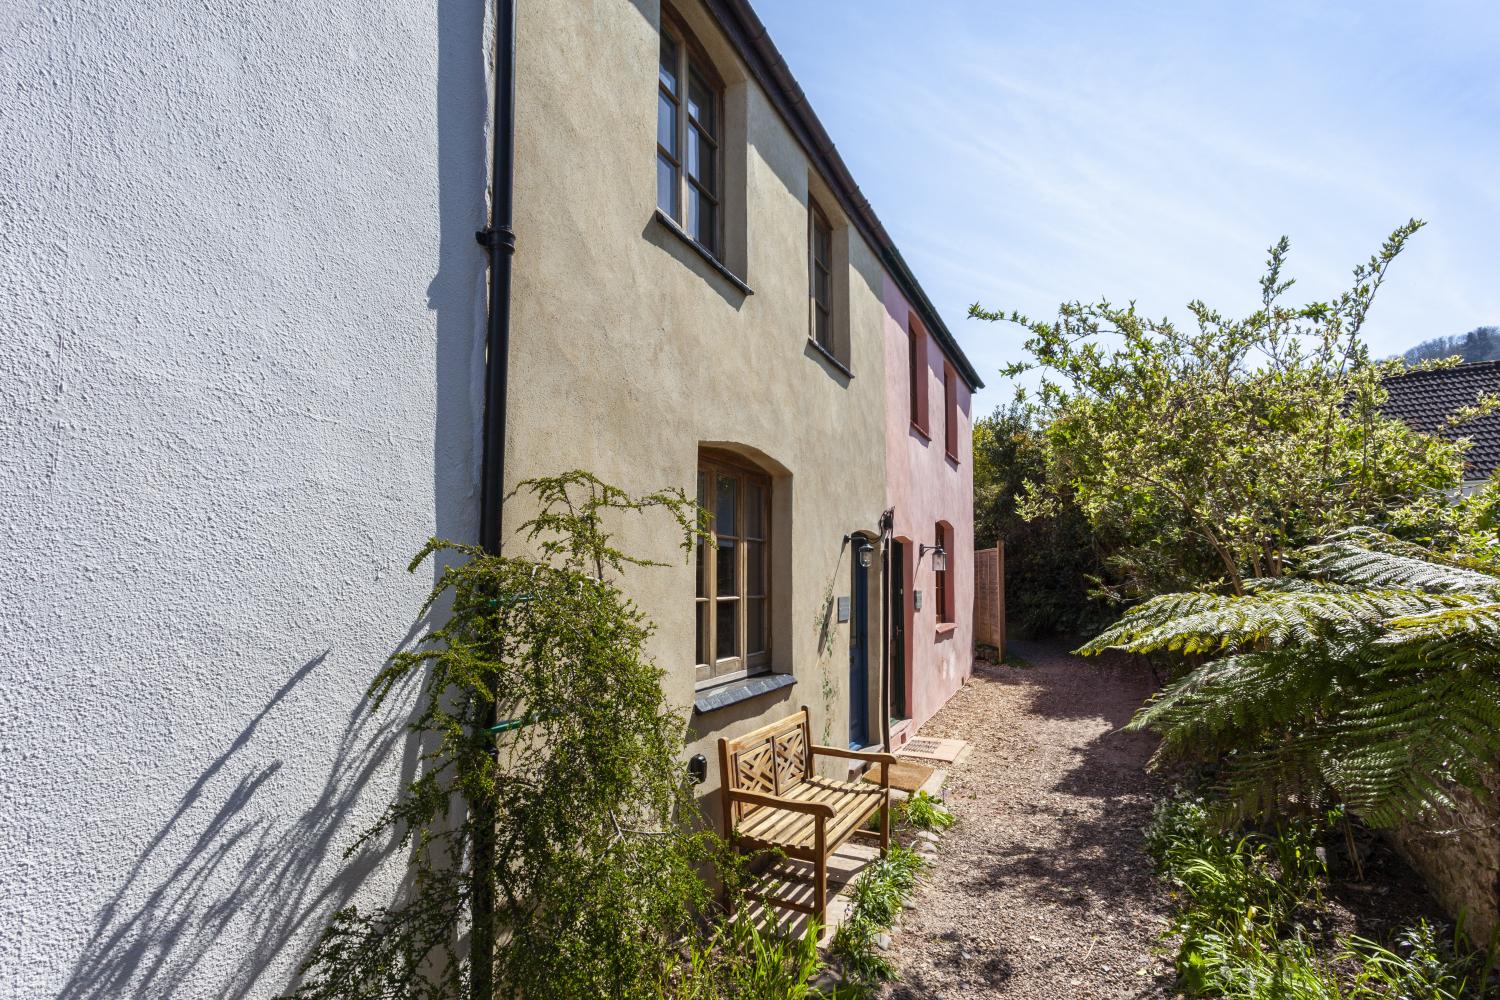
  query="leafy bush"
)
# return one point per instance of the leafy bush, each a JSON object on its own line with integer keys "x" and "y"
{"x": 1205, "y": 452}
{"x": 1050, "y": 557}
{"x": 925, "y": 812}
{"x": 1247, "y": 921}
{"x": 1372, "y": 679}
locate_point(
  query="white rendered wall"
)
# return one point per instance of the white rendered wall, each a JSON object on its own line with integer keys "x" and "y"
{"x": 240, "y": 335}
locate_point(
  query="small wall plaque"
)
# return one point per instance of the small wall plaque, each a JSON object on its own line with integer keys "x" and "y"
{"x": 916, "y": 600}
{"x": 843, "y": 609}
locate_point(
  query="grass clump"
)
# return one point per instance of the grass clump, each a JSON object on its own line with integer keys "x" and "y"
{"x": 740, "y": 959}
{"x": 1250, "y": 921}
{"x": 878, "y": 896}
{"x": 925, "y": 812}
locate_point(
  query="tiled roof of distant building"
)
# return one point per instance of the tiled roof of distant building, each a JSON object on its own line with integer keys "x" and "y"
{"x": 1425, "y": 400}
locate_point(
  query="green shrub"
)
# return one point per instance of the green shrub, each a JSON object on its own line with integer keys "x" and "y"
{"x": 1247, "y": 921}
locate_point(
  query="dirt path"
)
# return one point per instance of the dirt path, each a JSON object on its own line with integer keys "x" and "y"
{"x": 1042, "y": 889}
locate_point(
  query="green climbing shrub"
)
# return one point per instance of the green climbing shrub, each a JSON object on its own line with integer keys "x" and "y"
{"x": 556, "y": 856}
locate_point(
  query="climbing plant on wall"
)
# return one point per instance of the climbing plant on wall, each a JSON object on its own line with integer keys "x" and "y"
{"x": 571, "y": 817}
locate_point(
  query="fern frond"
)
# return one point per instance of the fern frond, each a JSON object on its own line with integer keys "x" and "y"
{"x": 1375, "y": 684}
{"x": 1363, "y": 557}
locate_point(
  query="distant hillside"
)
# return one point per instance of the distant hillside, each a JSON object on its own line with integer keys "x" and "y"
{"x": 1479, "y": 344}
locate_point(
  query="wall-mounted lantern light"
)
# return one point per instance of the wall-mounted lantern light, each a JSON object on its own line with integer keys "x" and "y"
{"x": 863, "y": 550}
{"x": 939, "y": 557}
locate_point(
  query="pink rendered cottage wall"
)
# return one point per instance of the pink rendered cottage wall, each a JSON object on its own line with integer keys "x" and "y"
{"x": 924, "y": 485}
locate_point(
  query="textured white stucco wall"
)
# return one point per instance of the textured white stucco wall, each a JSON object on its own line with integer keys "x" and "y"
{"x": 240, "y": 334}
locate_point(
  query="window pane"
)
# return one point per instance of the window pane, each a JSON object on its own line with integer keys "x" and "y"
{"x": 726, "y": 506}
{"x": 701, "y": 104}
{"x": 820, "y": 285}
{"x": 728, "y": 642}
{"x": 700, "y": 219}
{"x": 668, "y": 68}
{"x": 666, "y": 123}
{"x": 755, "y": 626}
{"x": 666, "y": 187}
{"x": 755, "y": 507}
{"x": 702, "y": 646}
{"x": 820, "y": 327}
{"x": 702, "y": 569}
{"x": 701, "y": 155}
{"x": 724, "y": 571}
{"x": 755, "y": 581}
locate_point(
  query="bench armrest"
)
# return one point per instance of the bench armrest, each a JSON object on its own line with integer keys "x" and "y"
{"x": 873, "y": 756}
{"x": 822, "y": 809}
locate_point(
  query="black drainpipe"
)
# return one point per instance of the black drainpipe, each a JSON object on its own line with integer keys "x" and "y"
{"x": 499, "y": 239}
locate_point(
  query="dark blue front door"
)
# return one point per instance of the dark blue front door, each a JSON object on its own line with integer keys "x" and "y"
{"x": 859, "y": 661}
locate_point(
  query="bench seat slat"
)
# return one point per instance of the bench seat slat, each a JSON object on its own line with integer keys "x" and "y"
{"x": 853, "y": 802}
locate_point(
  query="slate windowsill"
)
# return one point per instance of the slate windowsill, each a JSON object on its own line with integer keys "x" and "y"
{"x": 713, "y": 699}
{"x": 670, "y": 225}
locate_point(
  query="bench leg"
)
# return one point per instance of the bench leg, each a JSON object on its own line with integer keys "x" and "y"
{"x": 885, "y": 826}
{"x": 820, "y": 890}
{"x": 820, "y": 873}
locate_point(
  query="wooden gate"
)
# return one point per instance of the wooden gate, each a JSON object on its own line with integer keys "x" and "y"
{"x": 989, "y": 597}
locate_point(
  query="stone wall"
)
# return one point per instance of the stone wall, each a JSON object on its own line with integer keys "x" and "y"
{"x": 1462, "y": 864}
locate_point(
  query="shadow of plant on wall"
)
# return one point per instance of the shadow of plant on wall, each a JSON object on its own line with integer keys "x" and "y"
{"x": 156, "y": 934}
{"x": 827, "y": 634}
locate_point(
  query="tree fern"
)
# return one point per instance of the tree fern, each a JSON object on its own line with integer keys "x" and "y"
{"x": 1371, "y": 678}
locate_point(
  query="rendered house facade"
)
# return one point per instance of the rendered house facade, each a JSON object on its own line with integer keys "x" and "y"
{"x": 930, "y": 490}
{"x": 757, "y": 369}
{"x": 243, "y": 376}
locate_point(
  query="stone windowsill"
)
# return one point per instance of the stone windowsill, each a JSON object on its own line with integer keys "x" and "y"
{"x": 715, "y": 698}
{"x": 671, "y": 226}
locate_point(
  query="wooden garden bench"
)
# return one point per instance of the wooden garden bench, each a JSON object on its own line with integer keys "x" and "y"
{"x": 773, "y": 799}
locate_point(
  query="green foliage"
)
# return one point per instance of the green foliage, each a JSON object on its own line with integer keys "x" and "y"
{"x": 577, "y": 823}
{"x": 1248, "y": 921}
{"x": 1050, "y": 556}
{"x": 740, "y": 960}
{"x": 925, "y": 812}
{"x": 877, "y": 897}
{"x": 1206, "y": 453}
{"x": 1371, "y": 679}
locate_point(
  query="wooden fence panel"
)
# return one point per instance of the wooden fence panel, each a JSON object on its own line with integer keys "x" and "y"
{"x": 989, "y": 597}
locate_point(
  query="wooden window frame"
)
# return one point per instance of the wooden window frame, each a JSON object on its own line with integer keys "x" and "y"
{"x": 950, "y": 412}
{"x": 916, "y": 375}
{"x": 942, "y": 582}
{"x": 818, "y": 224}
{"x": 710, "y": 669}
{"x": 692, "y": 61}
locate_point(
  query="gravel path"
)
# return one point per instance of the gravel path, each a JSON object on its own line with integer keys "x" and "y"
{"x": 1042, "y": 889}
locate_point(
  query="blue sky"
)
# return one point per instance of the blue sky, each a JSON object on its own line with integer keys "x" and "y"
{"x": 1024, "y": 154}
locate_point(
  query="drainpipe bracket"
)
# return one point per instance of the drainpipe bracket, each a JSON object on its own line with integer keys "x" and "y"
{"x": 493, "y": 239}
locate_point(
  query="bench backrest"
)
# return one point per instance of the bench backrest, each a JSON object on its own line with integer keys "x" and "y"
{"x": 770, "y": 760}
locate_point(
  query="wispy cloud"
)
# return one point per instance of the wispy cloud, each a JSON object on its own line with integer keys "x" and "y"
{"x": 1028, "y": 155}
